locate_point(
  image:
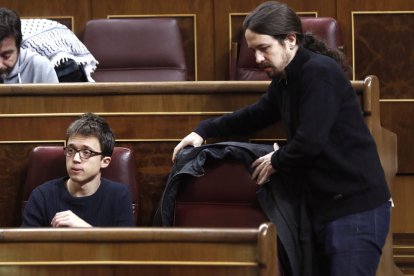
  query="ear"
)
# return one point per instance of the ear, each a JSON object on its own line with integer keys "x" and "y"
{"x": 291, "y": 40}
{"x": 105, "y": 162}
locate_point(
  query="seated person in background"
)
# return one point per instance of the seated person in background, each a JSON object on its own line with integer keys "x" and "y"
{"x": 82, "y": 199}
{"x": 20, "y": 65}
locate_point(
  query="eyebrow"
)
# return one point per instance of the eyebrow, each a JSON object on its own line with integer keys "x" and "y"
{"x": 260, "y": 46}
{"x": 10, "y": 51}
{"x": 82, "y": 147}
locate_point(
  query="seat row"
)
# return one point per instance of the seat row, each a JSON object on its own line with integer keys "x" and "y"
{"x": 151, "y": 49}
{"x": 214, "y": 196}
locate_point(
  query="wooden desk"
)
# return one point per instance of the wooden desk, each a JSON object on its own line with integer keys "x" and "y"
{"x": 138, "y": 251}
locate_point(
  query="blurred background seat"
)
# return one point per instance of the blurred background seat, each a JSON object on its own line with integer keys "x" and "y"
{"x": 139, "y": 49}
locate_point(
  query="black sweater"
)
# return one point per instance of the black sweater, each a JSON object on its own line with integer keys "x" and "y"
{"x": 109, "y": 206}
{"x": 328, "y": 140}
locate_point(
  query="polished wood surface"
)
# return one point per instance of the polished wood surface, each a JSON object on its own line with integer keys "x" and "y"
{"x": 128, "y": 251}
{"x": 80, "y": 10}
{"x": 404, "y": 252}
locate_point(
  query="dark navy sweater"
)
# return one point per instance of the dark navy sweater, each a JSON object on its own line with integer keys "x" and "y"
{"x": 328, "y": 140}
{"x": 109, "y": 206}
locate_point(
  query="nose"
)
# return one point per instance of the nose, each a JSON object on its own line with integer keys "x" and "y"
{"x": 77, "y": 157}
{"x": 259, "y": 57}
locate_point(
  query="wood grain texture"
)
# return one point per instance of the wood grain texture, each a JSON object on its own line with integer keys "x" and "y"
{"x": 80, "y": 10}
{"x": 144, "y": 251}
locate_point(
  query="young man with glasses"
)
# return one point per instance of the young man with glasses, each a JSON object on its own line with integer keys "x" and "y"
{"x": 83, "y": 198}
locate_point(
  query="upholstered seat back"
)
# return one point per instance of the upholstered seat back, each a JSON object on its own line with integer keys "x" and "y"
{"x": 243, "y": 64}
{"x": 141, "y": 49}
{"x": 48, "y": 162}
{"x": 225, "y": 196}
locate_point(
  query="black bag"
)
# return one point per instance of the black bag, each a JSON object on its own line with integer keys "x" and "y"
{"x": 70, "y": 71}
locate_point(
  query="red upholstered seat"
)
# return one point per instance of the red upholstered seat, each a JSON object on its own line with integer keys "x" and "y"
{"x": 243, "y": 65}
{"x": 225, "y": 196}
{"x": 48, "y": 162}
{"x": 139, "y": 49}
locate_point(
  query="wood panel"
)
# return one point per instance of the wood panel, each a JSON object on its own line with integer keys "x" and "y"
{"x": 403, "y": 191}
{"x": 397, "y": 116}
{"x": 381, "y": 54}
{"x": 129, "y": 97}
{"x": 80, "y": 10}
{"x": 404, "y": 252}
{"x": 143, "y": 251}
{"x": 345, "y": 9}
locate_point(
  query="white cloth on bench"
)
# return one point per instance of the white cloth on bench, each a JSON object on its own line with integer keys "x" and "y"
{"x": 57, "y": 42}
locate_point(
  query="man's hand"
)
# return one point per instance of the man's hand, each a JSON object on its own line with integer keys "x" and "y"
{"x": 263, "y": 168}
{"x": 192, "y": 139}
{"x": 68, "y": 219}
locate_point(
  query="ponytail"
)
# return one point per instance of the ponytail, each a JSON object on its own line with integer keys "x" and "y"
{"x": 309, "y": 41}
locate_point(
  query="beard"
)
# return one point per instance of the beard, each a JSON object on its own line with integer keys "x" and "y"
{"x": 4, "y": 73}
{"x": 273, "y": 71}
{"x": 270, "y": 70}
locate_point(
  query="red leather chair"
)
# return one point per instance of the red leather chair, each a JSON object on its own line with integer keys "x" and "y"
{"x": 243, "y": 65}
{"x": 48, "y": 162}
{"x": 141, "y": 49}
{"x": 225, "y": 196}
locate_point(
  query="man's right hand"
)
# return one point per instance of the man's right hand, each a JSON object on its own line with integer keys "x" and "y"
{"x": 68, "y": 219}
{"x": 192, "y": 139}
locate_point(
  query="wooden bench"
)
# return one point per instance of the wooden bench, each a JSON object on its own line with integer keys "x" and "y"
{"x": 368, "y": 92}
{"x": 139, "y": 251}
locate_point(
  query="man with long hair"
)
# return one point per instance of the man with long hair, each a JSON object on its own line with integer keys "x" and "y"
{"x": 328, "y": 142}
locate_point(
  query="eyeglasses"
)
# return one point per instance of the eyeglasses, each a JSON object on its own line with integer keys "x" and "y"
{"x": 83, "y": 153}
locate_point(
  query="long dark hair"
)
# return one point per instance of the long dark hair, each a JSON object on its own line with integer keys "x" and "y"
{"x": 278, "y": 20}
